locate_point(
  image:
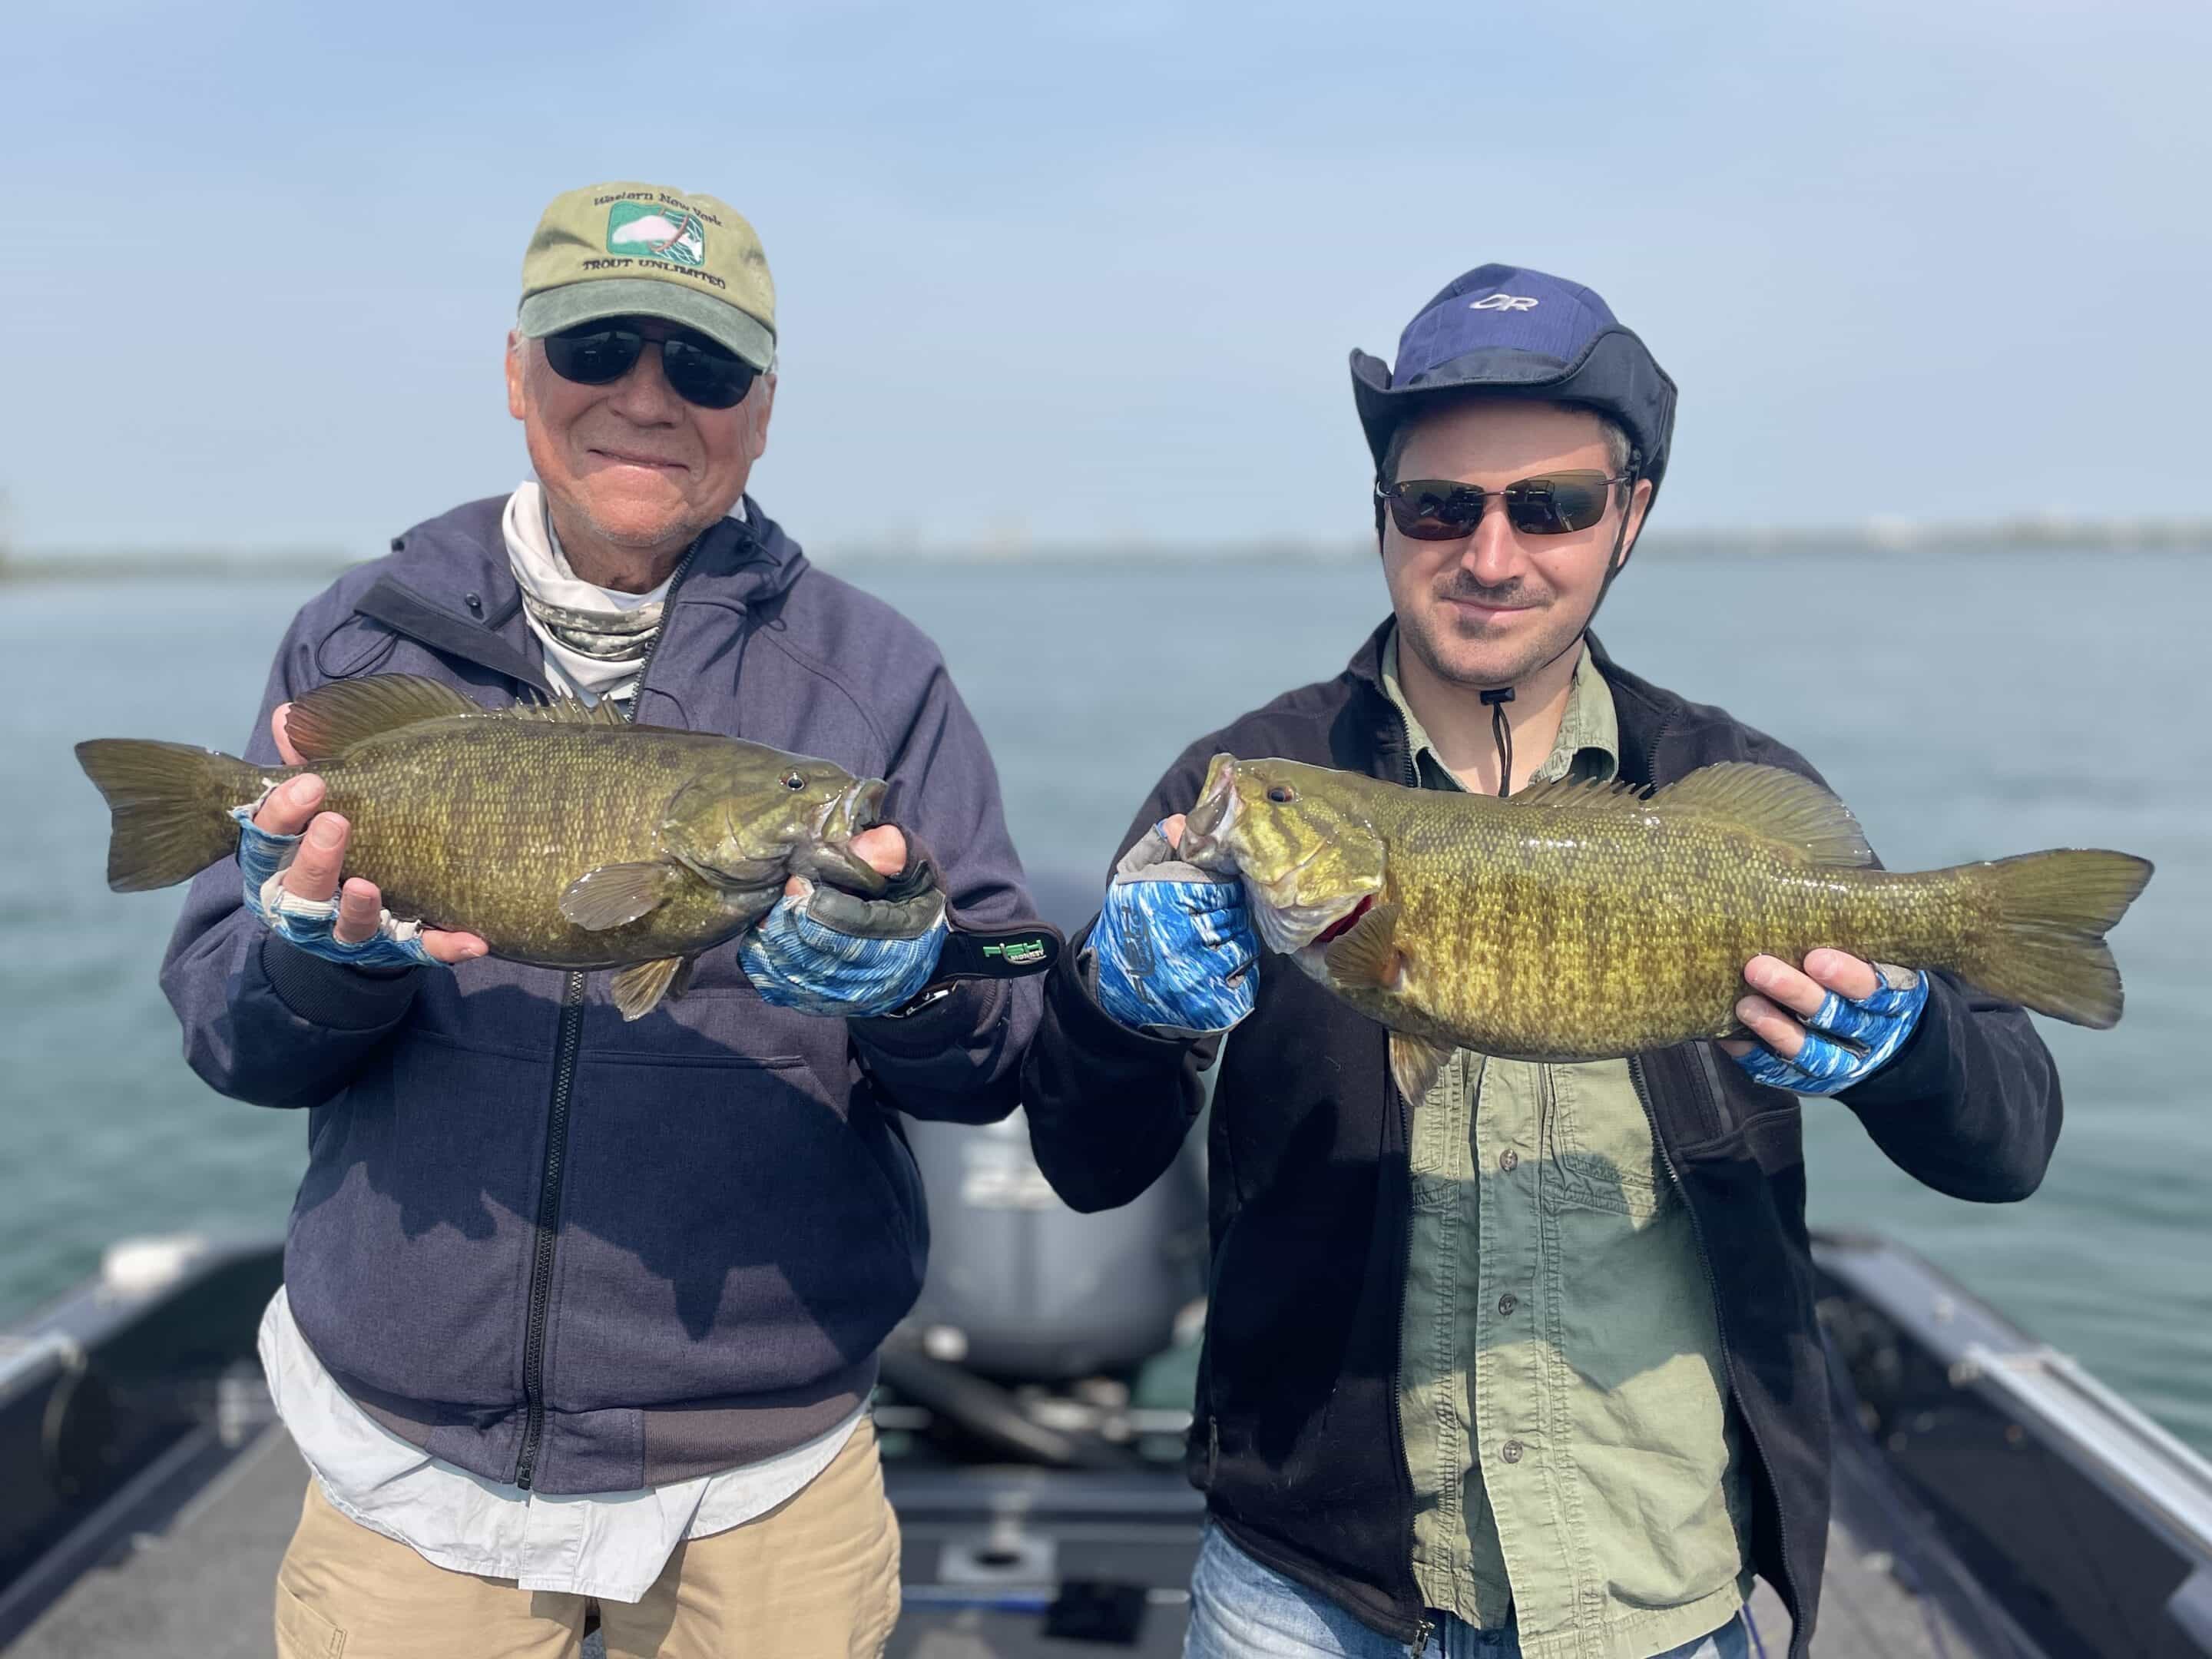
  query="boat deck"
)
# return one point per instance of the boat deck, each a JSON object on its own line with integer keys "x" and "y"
{"x": 202, "y": 1587}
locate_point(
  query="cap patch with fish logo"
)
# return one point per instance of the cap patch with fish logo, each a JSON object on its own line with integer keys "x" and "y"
{"x": 650, "y": 232}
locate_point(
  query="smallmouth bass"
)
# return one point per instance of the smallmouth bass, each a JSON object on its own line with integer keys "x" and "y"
{"x": 565, "y": 837}
{"x": 1579, "y": 921}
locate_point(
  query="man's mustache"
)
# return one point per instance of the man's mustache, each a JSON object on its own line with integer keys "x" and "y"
{"x": 1513, "y": 594}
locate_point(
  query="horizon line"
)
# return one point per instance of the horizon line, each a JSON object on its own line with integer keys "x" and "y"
{"x": 2026, "y": 532}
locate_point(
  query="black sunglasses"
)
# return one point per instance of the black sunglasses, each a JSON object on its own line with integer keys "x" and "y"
{"x": 1442, "y": 510}
{"x": 601, "y": 353}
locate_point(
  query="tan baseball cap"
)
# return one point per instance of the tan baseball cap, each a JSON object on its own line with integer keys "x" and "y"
{"x": 631, "y": 250}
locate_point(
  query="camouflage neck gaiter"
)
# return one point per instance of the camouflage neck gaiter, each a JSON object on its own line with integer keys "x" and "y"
{"x": 596, "y": 639}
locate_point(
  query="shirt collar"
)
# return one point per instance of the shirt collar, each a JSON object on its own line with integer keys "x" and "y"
{"x": 1588, "y": 746}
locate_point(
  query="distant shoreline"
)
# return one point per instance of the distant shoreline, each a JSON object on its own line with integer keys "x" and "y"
{"x": 1997, "y": 538}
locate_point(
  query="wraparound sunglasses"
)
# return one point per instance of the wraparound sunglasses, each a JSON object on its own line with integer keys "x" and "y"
{"x": 1444, "y": 510}
{"x": 600, "y": 353}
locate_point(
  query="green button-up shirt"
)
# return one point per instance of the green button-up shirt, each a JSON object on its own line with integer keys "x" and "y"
{"x": 1567, "y": 1425}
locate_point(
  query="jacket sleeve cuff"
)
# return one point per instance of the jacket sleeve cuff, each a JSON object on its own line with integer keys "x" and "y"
{"x": 1921, "y": 1070}
{"x": 945, "y": 1023}
{"x": 332, "y": 994}
{"x": 1073, "y": 993}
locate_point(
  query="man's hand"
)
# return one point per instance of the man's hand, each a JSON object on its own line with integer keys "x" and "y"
{"x": 1824, "y": 1029}
{"x": 289, "y": 817}
{"x": 1174, "y": 945}
{"x": 823, "y": 952}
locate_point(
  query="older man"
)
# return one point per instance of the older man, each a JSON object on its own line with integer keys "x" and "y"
{"x": 1526, "y": 1363}
{"x": 578, "y": 1310}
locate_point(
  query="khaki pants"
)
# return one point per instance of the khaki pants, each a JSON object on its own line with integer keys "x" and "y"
{"x": 816, "y": 1578}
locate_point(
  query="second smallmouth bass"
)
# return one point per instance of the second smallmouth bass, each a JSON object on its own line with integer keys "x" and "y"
{"x": 1581, "y": 921}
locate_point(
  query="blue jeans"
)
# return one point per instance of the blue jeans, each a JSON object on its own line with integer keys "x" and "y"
{"x": 1241, "y": 1610}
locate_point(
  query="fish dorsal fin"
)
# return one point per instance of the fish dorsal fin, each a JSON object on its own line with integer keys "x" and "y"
{"x": 1793, "y": 813}
{"x": 570, "y": 711}
{"x": 326, "y": 722}
{"x": 1590, "y": 794}
{"x": 1415, "y": 1064}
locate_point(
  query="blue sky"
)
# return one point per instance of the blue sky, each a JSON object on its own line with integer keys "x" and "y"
{"x": 1082, "y": 273}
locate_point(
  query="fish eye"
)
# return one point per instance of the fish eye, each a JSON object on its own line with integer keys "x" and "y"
{"x": 793, "y": 781}
{"x": 1282, "y": 794}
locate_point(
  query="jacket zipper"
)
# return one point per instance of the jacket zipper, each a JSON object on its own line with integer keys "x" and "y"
{"x": 1636, "y": 1076}
{"x": 567, "y": 1045}
{"x": 1651, "y": 755}
{"x": 1420, "y": 1638}
{"x": 549, "y": 1218}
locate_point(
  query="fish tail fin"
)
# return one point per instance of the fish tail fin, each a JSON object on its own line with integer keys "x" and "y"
{"x": 172, "y": 805}
{"x": 2044, "y": 944}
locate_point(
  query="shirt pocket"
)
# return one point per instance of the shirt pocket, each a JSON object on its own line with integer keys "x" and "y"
{"x": 1598, "y": 1150}
{"x": 1436, "y": 1157}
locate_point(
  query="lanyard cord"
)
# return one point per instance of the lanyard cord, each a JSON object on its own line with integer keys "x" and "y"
{"x": 1501, "y": 729}
{"x": 1501, "y": 734}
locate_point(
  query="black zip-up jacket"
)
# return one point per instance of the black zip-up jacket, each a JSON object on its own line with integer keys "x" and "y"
{"x": 1296, "y": 1438}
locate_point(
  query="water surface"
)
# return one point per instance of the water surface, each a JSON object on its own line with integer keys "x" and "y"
{"x": 1966, "y": 706}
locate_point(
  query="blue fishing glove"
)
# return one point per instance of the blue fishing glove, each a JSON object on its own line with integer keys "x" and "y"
{"x": 1845, "y": 1041}
{"x": 1174, "y": 945}
{"x": 308, "y": 923}
{"x": 823, "y": 952}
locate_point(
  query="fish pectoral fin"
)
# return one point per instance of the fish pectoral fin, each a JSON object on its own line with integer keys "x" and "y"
{"x": 1794, "y": 813}
{"x": 330, "y": 720}
{"x": 642, "y": 985}
{"x": 1415, "y": 1063}
{"x": 1368, "y": 954}
{"x": 610, "y": 895}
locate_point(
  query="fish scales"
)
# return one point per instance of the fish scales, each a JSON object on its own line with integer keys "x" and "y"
{"x": 492, "y": 819}
{"x": 1578, "y": 922}
{"x": 1539, "y": 931}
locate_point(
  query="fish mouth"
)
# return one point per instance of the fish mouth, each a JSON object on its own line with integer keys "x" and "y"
{"x": 856, "y": 808}
{"x": 1286, "y": 922}
{"x": 1206, "y": 830}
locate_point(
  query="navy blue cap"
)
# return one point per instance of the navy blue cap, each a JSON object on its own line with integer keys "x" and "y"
{"x": 1507, "y": 331}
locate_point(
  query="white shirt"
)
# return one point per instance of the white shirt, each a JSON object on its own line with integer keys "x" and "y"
{"x": 609, "y": 1545}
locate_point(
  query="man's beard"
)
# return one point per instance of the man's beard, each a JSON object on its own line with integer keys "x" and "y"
{"x": 1445, "y": 651}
